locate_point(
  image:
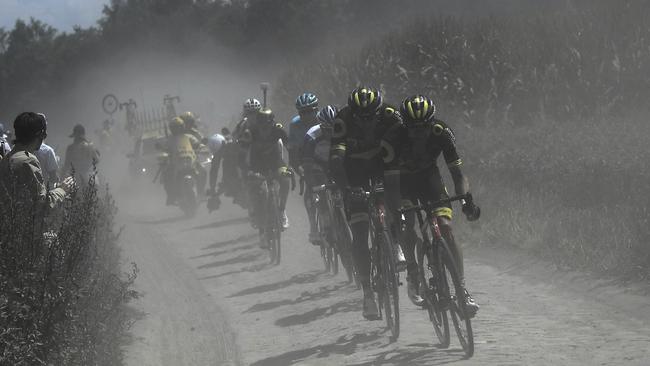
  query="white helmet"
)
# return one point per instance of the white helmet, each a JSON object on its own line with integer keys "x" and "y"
{"x": 215, "y": 142}
{"x": 252, "y": 105}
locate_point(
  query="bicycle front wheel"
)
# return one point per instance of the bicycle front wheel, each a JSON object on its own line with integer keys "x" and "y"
{"x": 432, "y": 284}
{"x": 275, "y": 229}
{"x": 456, "y": 301}
{"x": 391, "y": 284}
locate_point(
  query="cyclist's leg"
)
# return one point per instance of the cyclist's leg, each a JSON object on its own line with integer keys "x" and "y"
{"x": 285, "y": 184}
{"x": 359, "y": 223}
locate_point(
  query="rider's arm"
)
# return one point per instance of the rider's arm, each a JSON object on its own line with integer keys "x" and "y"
{"x": 453, "y": 160}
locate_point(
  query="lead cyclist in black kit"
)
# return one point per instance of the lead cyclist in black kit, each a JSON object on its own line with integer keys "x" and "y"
{"x": 410, "y": 152}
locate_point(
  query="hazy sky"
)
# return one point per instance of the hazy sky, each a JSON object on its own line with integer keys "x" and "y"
{"x": 62, "y": 14}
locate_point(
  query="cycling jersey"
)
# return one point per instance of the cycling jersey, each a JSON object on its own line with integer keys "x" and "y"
{"x": 316, "y": 148}
{"x": 357, "y": 143}
{"x": 413, "y": 153}
{"x": 406, "y": 151}
{"x": 297, "y": 131}
{"x": 264, "y": 153}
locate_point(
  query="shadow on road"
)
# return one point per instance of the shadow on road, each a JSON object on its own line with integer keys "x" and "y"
{"x": 319, "y": 313}
{"x": 242, "y": 258}
{"x": 419, "y": 355}
{"x": 306, "y": 277}
{"x": 226, "y": 251}
{"x": 237, "y": 240}
{"x": 344, "y": 345}
{"x": 254, "y": 268}
{"x": 218, "y": 224}
{"x": 322, "y": 293}
{"x": 168, "y": 220}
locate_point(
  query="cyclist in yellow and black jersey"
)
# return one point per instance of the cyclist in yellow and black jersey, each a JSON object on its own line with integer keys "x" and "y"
{"x": 355, "y": 160}
{"x": 410, "y": 152}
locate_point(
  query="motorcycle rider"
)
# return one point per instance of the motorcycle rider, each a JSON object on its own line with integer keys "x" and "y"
{"x": 181, "y": 149}
{"x": 191, "y": 128}
{"x": 410, "y": 152}
{"x": 307, "y": 107}
{"x": 315, "y": 160}
{"x": 266, "y": 137}
{"x": 355, "y": 160}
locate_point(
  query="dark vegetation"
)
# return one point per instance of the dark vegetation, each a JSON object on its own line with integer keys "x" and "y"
{"x": 551, "y": 114}
{"x": 61, "y": 289}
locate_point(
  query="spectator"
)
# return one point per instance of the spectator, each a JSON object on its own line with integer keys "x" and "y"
{"x": 21, "y": 177}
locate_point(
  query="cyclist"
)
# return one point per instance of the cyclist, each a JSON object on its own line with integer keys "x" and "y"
{"x": 250, "y": 108}
{"x": 315, "y": 161}
{"x": 266, "y": 137}
{"x": 355, "y": 159}
{"x": 216, "y": 144}
{"x": 411, "y": 150}
{"x": 181, "y": 148}
{"x": 307, "y": 107}
{"x": 231, "y": 179}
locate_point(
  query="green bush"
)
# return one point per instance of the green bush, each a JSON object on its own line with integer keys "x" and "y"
{"x": 61, "y": 292}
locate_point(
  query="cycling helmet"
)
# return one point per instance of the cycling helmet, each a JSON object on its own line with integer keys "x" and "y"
{"x": 365, "y": 101}
{"x": 188, "y": 118}
{"x": 327, "y": 115}
{"x": 417, "y": 110}
{"x": 306, "y": 101}
{"x": 30, "y": 125}
{"x": 252, "y": 105}
{"x": 177, "y": 126}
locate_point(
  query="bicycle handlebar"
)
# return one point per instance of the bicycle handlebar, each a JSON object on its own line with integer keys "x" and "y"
{"x": 323, "y": 187}
{"x": 429, "y": 205}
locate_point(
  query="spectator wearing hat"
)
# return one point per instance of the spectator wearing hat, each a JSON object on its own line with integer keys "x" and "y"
{"x": 21, "y": 178}
{"x": 80, "y": 156}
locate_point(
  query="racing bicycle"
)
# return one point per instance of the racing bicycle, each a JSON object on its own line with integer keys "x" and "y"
{"x": 440, "y": 285}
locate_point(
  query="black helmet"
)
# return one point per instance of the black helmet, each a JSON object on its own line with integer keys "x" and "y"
{"x": 365, "y": 101}
{"x": 417, "y": 110}
{"x": 30, "y": 125}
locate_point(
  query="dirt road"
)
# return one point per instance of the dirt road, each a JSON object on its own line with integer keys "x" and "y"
{"x": 211, "y": 299}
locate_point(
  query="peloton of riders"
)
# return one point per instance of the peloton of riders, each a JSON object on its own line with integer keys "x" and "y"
{"x": 365, "y": 141}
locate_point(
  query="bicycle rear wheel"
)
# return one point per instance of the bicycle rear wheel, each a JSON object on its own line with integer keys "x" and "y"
{"x": 432, "y": 285}
{"x": 456, "y": 301}
{"x": 390, "y": 281}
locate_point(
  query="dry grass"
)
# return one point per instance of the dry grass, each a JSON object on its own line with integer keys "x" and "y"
{"x": 61, "y": 293}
